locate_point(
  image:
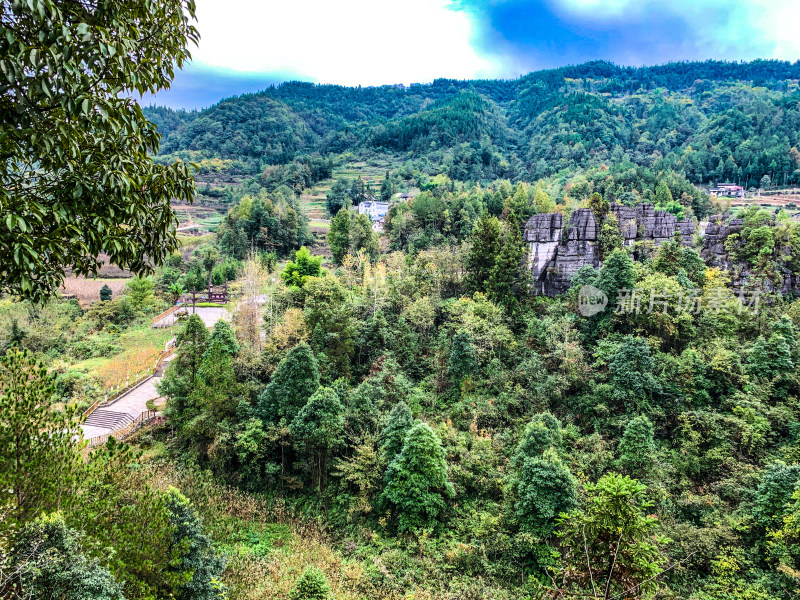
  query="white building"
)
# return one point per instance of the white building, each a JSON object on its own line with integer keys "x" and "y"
{"x": 376, "y": 211}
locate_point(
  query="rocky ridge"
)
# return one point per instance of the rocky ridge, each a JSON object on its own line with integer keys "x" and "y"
{"x": 557, "y": 252}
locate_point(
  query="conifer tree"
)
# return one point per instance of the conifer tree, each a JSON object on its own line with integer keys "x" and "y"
{"x": 335, "y": 198}
{"x": 416, "y": 481}
{"x": 293, "y": 383}
{"x": 769, "y": 358}
{"x": 312, "y": 585}
{"x": 599, "y": 206}
{"x": 339, "y": 236}
{"x": 198, "y": 565}
{"x": 387, "y": 189}
{"x": 663, "y": 197}
{"x": 39, "y": 459}
{"x": 462, "y": 361}
{"x": 192, "y": 343}
{"x": 394, "y": 433}
{"x": 778, "y": 482}
{"x": 223, "y": 339}
{"x": 318, "y": 429}
{"x": 541, "y": 434}
{"x": 105, "y": 293}
{"x": 636, "y": 448}
{"x": 616, "y": 274}
{"x": 181, "y": 375}
{"x": 542, "y": 202}
{"x": 610, "y": 237}
{"x": 507, "y": 264}
{"x": 483, "y": 253}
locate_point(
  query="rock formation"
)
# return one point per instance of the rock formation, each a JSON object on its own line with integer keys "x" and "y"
{"x": 557, "y": 253}
{"x": 715, "y": 254}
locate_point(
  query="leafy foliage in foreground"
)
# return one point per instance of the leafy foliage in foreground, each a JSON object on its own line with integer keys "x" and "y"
{"x": 77, "y": 179}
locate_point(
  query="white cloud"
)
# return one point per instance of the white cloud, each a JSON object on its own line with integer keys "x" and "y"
{"x": 743, "y": 29}
{"x": 351, "y": 42}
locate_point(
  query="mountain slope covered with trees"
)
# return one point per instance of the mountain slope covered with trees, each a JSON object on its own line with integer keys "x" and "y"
{"x": 707, "y": 120}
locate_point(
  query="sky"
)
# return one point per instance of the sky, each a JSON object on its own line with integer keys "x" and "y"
{"x": 247, "y": 45}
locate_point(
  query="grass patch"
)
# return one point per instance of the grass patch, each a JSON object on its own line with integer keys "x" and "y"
{"x": 140, "y": 349}
{"x": 193, "y": 241}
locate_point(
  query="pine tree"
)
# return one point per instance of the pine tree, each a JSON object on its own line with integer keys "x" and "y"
{"x": 394, "y": 433}
{"x": 507, "y": 264}
{"x": 39, "y": 458}
{"x": 318, "y": 429}
{"x": 636, "y": 448}
{"x": 416, "y": 481}
{"x": 105, "y": 293}
{"x": 339, "y": 236}
{"x": 483, "y": 253}
{"x": 778, "y": 482}
{"x": 199, "y": 566}
{"x": 335, "y": 198}
{"x": 223, "y": 339}
{"x": 140, "y": 292}
{"x": 540, "y": 435}
{"x": 387, "y": 189}
{"x": 312, "y": 585}
{"x": 610, "y": 238}
{"x": 363, "y": 238}
{"x": 630, "y": 367}
{"x": 668, "y": 258}
{"x": 293, "y": 383}
{"x": 192, "y": 342}
{"x": 663, "y": 196}
{"x": 769, "y": 358}
{"x": 599, "y": 206}
{"x": 542, "y": 202}
{"x": 180, "y": 378}
{"x": 616, "y": 274}
{"x": 462, "y": 361}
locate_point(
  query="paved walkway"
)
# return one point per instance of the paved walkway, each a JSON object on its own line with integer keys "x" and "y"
{"x": 209, "y": 315}
{"x": 110, "y": 417}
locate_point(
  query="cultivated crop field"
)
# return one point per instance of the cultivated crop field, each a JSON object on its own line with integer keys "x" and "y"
{"x": 88, "y": 290}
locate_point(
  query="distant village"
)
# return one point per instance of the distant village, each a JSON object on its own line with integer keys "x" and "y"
{"x": 377, "y": 210}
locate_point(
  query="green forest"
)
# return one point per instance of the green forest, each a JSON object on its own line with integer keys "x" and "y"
{"x": 709, "y": 121}
{"x": 389, "y": 414}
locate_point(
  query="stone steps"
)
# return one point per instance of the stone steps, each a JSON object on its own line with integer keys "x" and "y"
{"x": 108, "y": 419}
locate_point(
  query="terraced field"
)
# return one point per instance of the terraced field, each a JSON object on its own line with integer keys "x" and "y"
{"x": 313, "y": 200}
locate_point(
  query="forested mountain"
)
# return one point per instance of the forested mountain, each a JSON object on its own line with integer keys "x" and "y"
{"x": 708, "y": 120}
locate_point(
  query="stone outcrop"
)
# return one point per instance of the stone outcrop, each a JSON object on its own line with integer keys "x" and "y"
{"x": 543, "y": 234}
{"x": 556, "y": 253}
{"x": 628, "y": 222}
{"x": 715, "y": 254}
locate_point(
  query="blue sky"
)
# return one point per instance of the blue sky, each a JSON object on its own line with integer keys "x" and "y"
{"x": 248, "y": 44}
